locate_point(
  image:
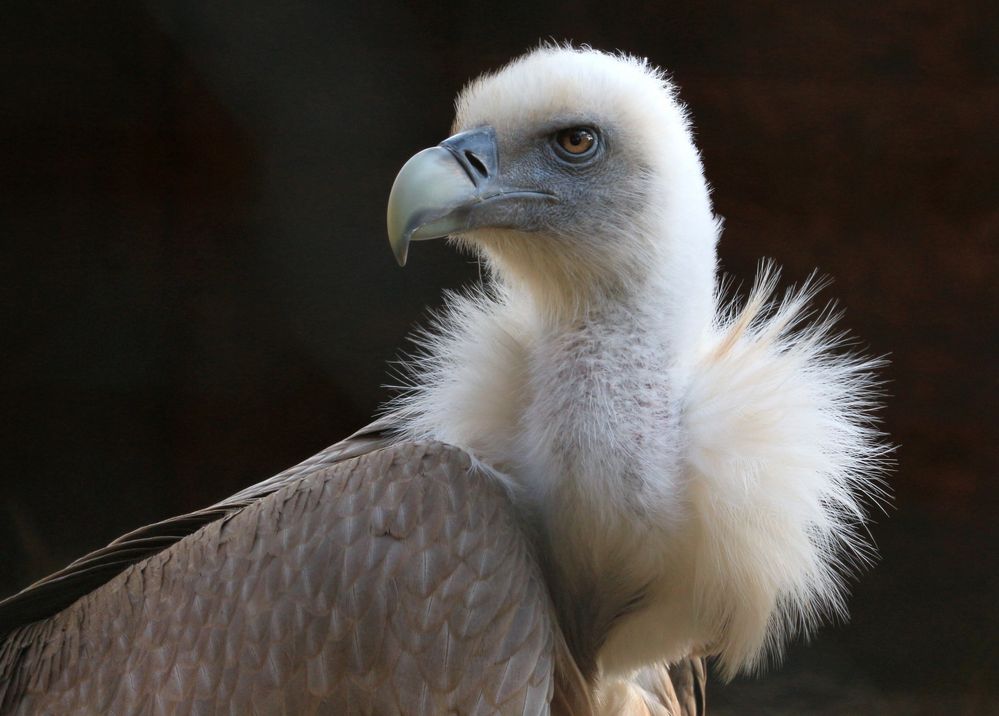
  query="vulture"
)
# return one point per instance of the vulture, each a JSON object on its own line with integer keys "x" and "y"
{"x": 599, "y": 472}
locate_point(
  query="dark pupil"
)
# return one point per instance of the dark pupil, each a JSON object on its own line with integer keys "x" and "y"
{"x": 576, "y": 138}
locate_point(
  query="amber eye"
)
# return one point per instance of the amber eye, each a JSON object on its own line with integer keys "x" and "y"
{"x": 576, "y": 142}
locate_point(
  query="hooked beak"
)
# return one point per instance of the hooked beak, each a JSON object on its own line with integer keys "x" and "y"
{"x": 453, "y": 187}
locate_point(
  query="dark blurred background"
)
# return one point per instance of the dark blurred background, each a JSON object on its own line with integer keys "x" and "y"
{"x": 197, "y": 290}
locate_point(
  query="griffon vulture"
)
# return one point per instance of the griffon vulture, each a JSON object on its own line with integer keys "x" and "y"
{"x": 599, "y": 474}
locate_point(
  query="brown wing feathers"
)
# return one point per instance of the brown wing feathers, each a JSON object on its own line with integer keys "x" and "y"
{"x": 394, "y": 583}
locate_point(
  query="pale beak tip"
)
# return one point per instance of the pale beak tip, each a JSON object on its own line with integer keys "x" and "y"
{"x": 399, "y": 241}
{"x": 424, "y": 197}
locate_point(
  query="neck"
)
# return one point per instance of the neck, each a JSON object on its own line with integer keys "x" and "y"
{"x": 601, "y": 431}
{"x": 666, "y": 280}
{"x": 606, "y": 375}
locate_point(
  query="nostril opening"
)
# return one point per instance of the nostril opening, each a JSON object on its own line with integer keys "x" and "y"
{"x": 477, "y": 164}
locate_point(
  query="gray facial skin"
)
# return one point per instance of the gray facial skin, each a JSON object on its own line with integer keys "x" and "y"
{"x": 476, "y": 179}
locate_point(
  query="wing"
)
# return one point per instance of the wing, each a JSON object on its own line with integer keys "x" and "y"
{"x": 57, "y": 591}
{"x": 395, "y": 582}
{"x": 658, "y": 690}
{"x": 689, "y": 679}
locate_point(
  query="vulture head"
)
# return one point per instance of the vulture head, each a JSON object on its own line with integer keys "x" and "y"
{"x": 574, "y": 172}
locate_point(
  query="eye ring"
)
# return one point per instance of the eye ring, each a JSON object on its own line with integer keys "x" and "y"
{"x": 576, "y": 143}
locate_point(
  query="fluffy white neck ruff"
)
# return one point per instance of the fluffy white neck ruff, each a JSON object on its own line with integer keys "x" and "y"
{"x": 726, "y": 484}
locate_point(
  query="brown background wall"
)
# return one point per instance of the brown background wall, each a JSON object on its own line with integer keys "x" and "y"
{"x": 197, "y": 291}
